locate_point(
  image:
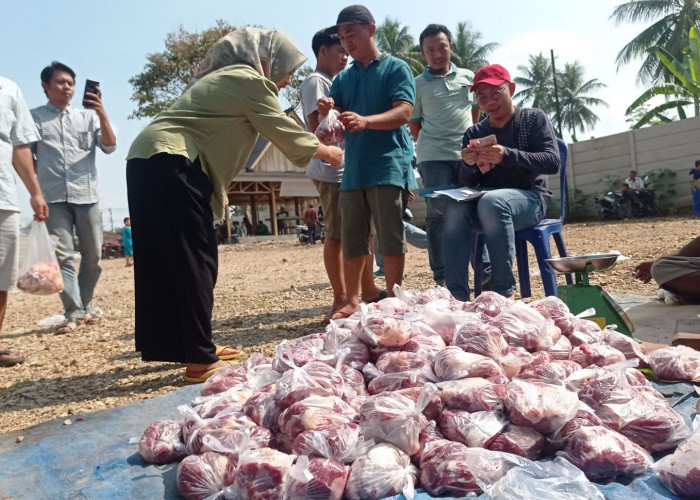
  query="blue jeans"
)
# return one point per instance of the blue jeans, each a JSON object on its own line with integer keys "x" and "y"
{"x": 312, "y": 234}
{"x": 497, "y": 214}
{"x": 415, "y": 236}
{"x": 78, "y": 288}
{"x": 696, "y": 202}
{"x": 437, "y": 174}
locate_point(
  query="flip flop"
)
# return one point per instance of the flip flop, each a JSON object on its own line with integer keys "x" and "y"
{"x": 202, "y": 376}
{"x": 8, "y": 358}
{"x": 226, "y": 357}
{"x": 342, "y": 313}
{"x": 382, "y": 295}
{"x": 66, "y": 327}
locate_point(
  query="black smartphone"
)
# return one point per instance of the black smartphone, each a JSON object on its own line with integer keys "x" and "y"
{"x": 90, "y": 86}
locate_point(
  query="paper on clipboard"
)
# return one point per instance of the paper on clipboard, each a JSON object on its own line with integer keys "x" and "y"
{"x": 458, "y": 194}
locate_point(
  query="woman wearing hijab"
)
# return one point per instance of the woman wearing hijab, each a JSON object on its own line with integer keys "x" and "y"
{"x": 178, "y": 171}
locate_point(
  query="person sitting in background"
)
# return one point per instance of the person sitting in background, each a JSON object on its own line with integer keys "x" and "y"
{"x": 237, "y": 229}
{"x": 695, "y": 187}
{"x": 247, "y": 226}
{"x": 677, "y": 272}
{"x": 262, "y": 229}
{"x": 513, "y": 176}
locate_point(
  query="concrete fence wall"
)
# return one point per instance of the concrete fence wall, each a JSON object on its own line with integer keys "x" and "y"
{"x": 674, "y": 146}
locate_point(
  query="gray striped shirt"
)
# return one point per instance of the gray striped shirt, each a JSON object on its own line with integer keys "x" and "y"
{"x": 65, "y": 155}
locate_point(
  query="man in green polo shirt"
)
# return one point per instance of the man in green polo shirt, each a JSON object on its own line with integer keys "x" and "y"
{"x": 443, "y": 110}
{"x": 375, "y": 95}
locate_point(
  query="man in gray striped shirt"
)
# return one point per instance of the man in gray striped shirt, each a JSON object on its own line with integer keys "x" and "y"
{"x": 65, "y": 166}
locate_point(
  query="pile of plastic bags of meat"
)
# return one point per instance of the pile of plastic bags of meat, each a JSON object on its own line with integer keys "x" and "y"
{"x": 421, "y": 390}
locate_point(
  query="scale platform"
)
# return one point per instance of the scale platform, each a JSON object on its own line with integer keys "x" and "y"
{"x": 582, "y": 295}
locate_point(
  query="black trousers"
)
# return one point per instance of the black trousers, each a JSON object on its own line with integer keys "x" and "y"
{"x": 176, "y": 258}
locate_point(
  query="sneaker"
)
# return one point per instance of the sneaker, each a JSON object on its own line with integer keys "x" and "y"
{"x": 378, "y": 273}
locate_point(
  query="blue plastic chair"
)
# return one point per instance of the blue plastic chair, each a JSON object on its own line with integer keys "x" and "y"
{"x": 538, "y": 236}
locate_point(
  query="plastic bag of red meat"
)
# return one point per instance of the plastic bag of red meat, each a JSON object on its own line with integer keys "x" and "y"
{"x": 556, "y": 480}
{"x": 472, "y": 394}
{"x": 413, "y": 297}
{"x": 453, "y": 363}
{"x": 627, "y": 346}
{"x": 343, "y": 443}
{"x": 561, "y": 350}
{"x": 523, "y": 326}
{"x": 254, "y": 374}
{"x": 394, "y": 381}
{"x": 195, "y": 429}
{"x": 40, "y": 274}
{"x": 341, "y": 342}
{"x": 540, "y": 406}
{"x": 488, "y": 303}
{"x": 585, "y": 331}
{"x": 680, "y": 471}
{"x": 476, "y": 429}
{"x": 261, "y": 475}
{"x": 676, "y": 363}
{"x": 521, "y": 441}
{"x": 331, "y": 129}
{"x": 477, "y": 336}
{"x": 596, "y": 354}
{"x": 554, "y": 372}
{"x": 300, "y": 351}
{"x": 262, "y": 409}
{"x": 441, "y": 316}
{"x": 384, "y": 472}
{"x": 162, "y": 443}
{"x": 313, "y": 379}
{"x": 205, "y": 476}
{"x": 225, "y": 402}
{"x": 316, "y": 479}
{"x": 377, "y": 329}
{"x": 315, "y": 412}
{"x": 396, "y": 419}
{"x": 452, "y": 469}
{"x": 603, "y": 454}
{"x": 555, "y": 309}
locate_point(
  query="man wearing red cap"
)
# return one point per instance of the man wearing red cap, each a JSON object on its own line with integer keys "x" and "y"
{"x": 513, "y": 175}
{"x": 375, "y": 95}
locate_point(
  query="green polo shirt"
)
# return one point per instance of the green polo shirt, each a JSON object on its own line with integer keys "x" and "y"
{"x": 444, "y": 108}
{"x": 375, "y": 157}
{"x": 218, "y": 119}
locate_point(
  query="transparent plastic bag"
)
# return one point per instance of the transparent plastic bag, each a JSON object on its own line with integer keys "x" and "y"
{"x": 40, "y": 274}
{"x": 680, "y": 471}
{"x": 331, "y": 130}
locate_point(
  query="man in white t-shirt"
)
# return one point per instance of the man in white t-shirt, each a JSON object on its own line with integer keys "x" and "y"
{"x": 331, "y": 59}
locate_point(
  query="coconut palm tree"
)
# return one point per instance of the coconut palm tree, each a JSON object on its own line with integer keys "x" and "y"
{"x": 671, "y": 21}
{"x": 683, "y": 91}
{"x": 536, "y": 86}
{"x": 575, "y": 99}
{"x": 397, "y": 41}
{"x": 467, "y": 51}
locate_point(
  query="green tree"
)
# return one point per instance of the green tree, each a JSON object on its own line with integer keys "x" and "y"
{"x": 684, "y": 91}
{"x": 290, "y": 93}
{"x": 468, "y": 52}
{"x": 575, "y": 99}
{"x": 671, "y": 20}
{"x": 167, "y": 73}
{"x": 536, "y": 85}
{"x": 395, "y": 39}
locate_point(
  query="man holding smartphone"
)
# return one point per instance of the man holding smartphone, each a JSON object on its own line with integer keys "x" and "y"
{"x": 65, "y": 166}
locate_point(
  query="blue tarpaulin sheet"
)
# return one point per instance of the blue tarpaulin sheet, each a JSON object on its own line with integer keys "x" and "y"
{"x": 96, "y": 457}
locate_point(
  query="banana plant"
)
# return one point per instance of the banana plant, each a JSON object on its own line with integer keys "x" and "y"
{"x": 683, "y": 92}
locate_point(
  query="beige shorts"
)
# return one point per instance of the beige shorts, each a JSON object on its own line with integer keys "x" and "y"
{"x": 9, "y": 249}
{"x": 328, "y": 192}
{"x": 382, "y": 205}
{"x": 665, "y": 269}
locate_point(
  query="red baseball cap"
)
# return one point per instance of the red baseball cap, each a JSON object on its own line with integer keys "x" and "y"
{"x": 493, "y": 74}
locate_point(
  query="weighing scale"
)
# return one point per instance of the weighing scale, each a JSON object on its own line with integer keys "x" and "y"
{"x": 582, "y": 295}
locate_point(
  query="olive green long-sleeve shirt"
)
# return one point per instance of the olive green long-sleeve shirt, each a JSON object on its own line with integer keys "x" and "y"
{"x": 218, "y": 119}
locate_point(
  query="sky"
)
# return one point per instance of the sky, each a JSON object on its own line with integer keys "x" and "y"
{"x": 108, "y": 41}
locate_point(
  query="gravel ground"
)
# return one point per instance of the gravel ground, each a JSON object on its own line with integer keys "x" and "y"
{"x": 266, "y": 292}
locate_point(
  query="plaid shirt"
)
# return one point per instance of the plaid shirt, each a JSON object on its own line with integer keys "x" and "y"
{"x": 16, "y": 129}
{"x": 65, "y": 155}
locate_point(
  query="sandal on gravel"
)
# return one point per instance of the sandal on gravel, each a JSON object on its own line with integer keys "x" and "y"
{"x": 382, "y": 295}
{"x": 66, "y": 327}
{"x": 220, "y": 349}
{"x": 197, "y": 377}
{"x": 9, "y": 358}
{"x": 342, "y": 313}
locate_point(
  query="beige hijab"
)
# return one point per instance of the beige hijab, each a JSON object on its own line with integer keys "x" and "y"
{"x": 252, "y": 46}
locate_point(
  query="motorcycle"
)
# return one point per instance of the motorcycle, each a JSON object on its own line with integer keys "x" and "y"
{"x": 303, "y": 233}
{"x": 614, "y": 205}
